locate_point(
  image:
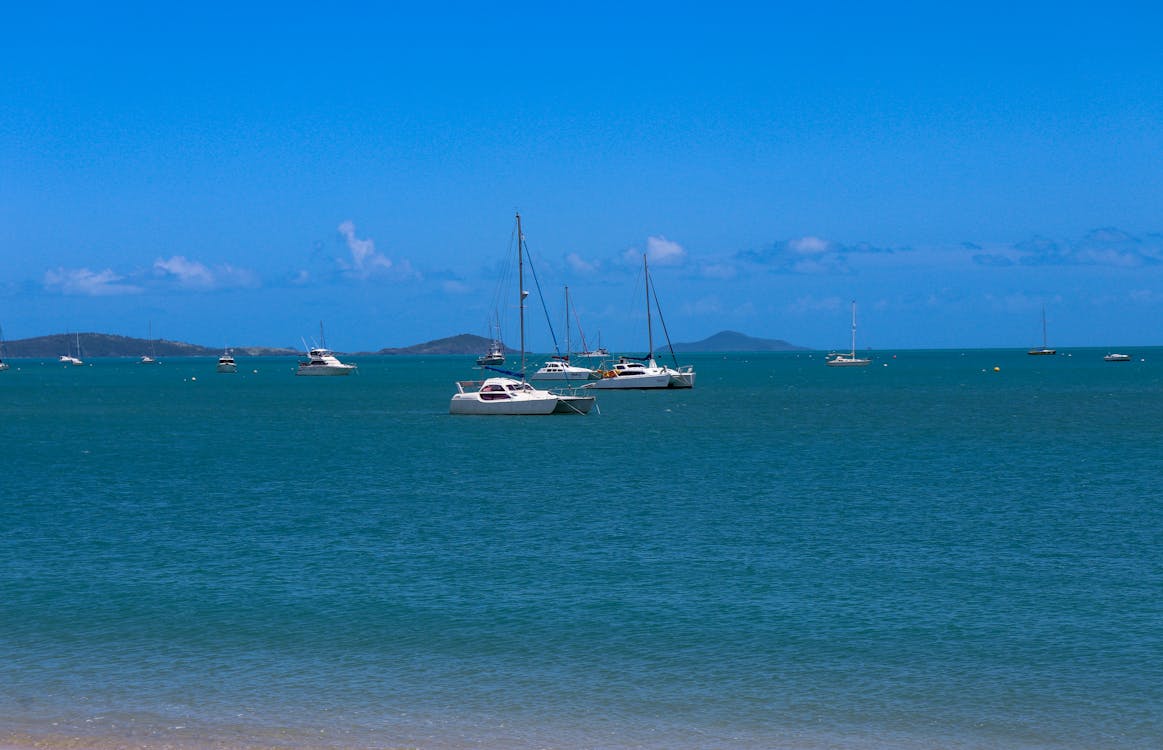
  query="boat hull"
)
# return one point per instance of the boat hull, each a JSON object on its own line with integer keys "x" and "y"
{"x": 633, "y": 382}
{"x": 472, "y": 404}
{"x": 325, "y": 370}
{"x": 572, "y": 376}
{"x": 509, "y": 397}
{"x": 848, "y": 362}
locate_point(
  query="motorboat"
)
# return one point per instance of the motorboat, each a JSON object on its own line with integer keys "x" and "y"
{"x": 495, "y": 354}
{"x": 561, "y": 369}
{"x": 323, "y": 362}
{"x": 509, "y": 394}
{"x": 840, "y": 359}
{"x": 600, "y": 353}
{"x": 226, "y": 363}
{"x": 1117, "y": 358}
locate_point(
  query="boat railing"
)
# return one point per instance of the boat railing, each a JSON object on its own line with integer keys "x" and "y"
{"x": 469, "y": 386}
{"x": 569, "y": 390}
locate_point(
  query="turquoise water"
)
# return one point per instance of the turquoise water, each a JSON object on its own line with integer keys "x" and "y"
{"x": 922, "y": 553}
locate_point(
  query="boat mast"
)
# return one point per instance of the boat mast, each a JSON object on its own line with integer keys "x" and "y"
{"x": 854, "y": 329}
{"x": 649, "y": 326}
{"x": 521, "y": 293}
{"x": 1043, "y": 326}
{"x": 567, "y": 323}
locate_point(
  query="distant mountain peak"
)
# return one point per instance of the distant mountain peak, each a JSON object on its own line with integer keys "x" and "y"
{"x": 733, "y": 341}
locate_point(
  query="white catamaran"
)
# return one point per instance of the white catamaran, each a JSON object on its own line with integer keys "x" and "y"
{"x": 510, "y": 394}
{"x": 645, "y": 372}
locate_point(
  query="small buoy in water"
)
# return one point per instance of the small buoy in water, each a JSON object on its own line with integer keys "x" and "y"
{"x": 997, "y": 369}
{"x": 193, "y": 377}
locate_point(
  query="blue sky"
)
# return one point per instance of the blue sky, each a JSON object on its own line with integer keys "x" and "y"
{"x": 235, "y": 175}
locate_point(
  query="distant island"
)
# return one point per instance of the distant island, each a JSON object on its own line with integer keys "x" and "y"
{"x": 733, "y": 341}
{"x": 108, "y": 345}
{"x": 724, "y": 341}
{"x": 465, "y": 343}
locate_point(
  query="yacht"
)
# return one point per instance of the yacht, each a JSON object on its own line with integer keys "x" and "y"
{"x": 1117, "y": 358}
{"x": 600, "y": 352}
{"x": 323, "y": 362}
{"x": 561, "y": 369}
{"x": 1043, "y": 350}
{"x": 645, "y": 372}
{"x": 151, "y": 358}
{"x": 495, "y": 354}
{"x": 839, "y": 359}
{"x": 226, "y": 362}
{"x": 558, "y": 367}
{"x": 69, "y": 359}
{"x": 630, "y": 373}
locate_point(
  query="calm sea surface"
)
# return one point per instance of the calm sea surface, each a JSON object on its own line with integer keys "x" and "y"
{"x": 924, "y": 553}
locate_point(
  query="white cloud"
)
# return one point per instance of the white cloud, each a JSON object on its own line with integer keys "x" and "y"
{"x": 721, "y": 271}
{"x": 809, "y": 246}
{"x": 187, "y": 272}
{"x": 821, "y": 265}
{"x": 703, "y": 306}
{"x": 365, "y": 261}
{"x": 580, "y": 265}
{"x": 815, "y": 304}
{"x": 664, "y": 252}
{"x": 82, "y": 281}
{"x": 453, "y": 286}
{"x": 193, "y": 274}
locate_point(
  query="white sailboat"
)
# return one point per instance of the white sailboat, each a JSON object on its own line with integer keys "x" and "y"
{"x": 151, "y": 358}
{"x": 512, "y": 395}
{"x": 645, "y": 372}
{"x": 838, "y": 359}
{"x": 69, "y": 359}
{"x": 1044, "y": 350}
{"x": 600, "y": 352}
{"x": 559, "y": 367}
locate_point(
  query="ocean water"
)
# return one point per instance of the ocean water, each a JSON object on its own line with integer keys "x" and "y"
{"x": 924, "y": 553}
